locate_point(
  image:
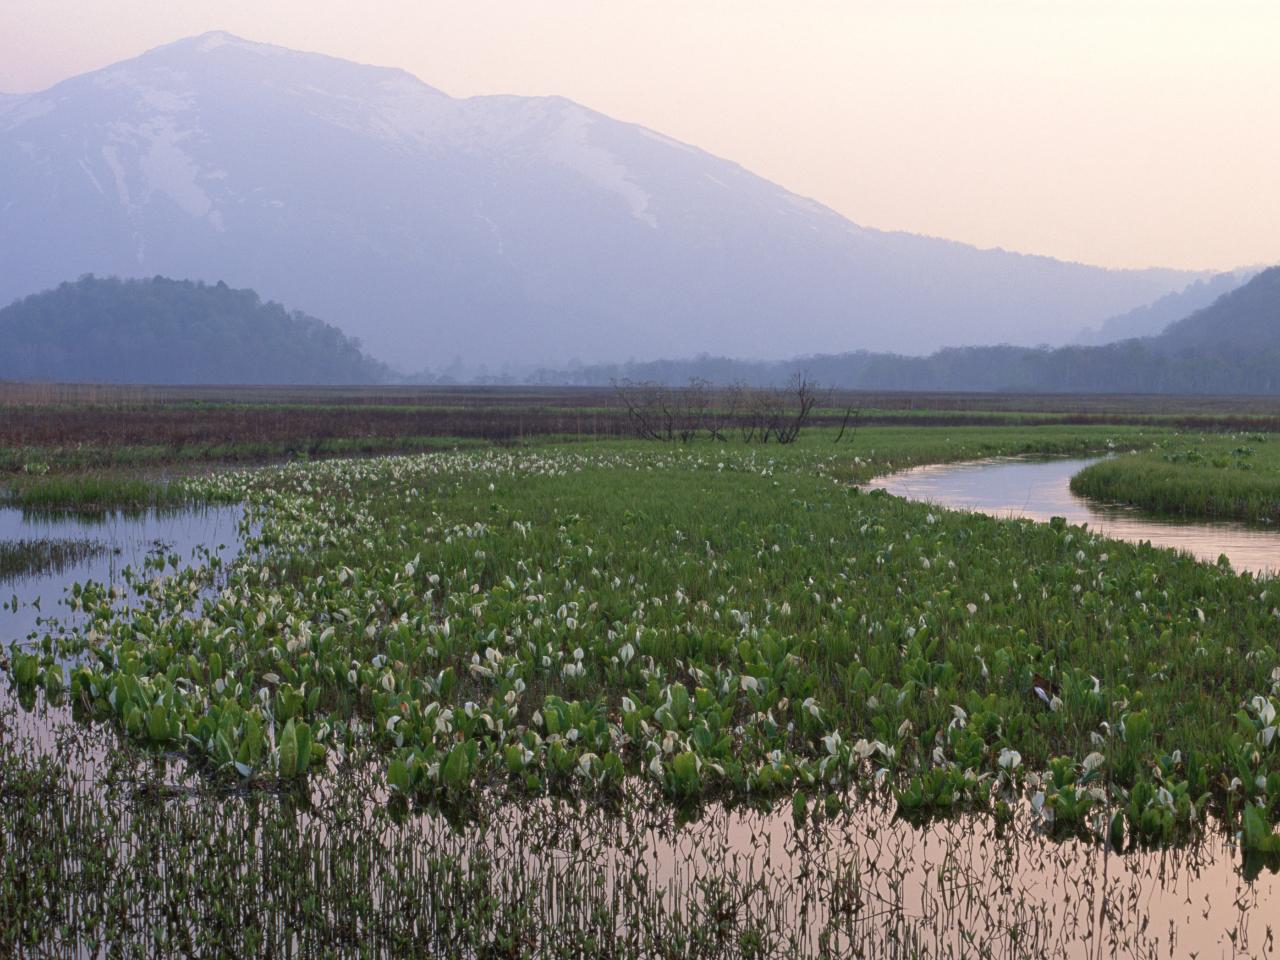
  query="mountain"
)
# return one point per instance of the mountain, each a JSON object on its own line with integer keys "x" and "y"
{"x": 1229, "y": 347}
{"x": 1241, "y": 323}
{"x": 1152, "y": 318}
{"x": 172, "y": 331}
{"x": 503, "y": 229}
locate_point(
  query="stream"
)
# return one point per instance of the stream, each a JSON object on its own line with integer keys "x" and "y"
{"x": 1040, "y": 489}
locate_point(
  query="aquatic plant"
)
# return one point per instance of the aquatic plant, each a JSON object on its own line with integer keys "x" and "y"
{"x": 718, "y": 622}
{"x": 103, "y": 849}
{"x": 97, "y": 492}
{"x": 427, "y": 678}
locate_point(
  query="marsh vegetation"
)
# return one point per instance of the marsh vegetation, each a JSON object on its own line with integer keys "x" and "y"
{"x": 95, "y": 492}
{"x": 106, "y": 847}
{"x": 637, "y": 699}
{"x": 1236, "y": 476}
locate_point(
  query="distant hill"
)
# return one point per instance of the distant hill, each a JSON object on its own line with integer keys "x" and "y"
{"x": 1239, "y": 324}
{"x": 1231, "y": 346}
{"x": 1151, "y": 319}
{"x": 172, "y": 331}
{"x": 501, "y": 229}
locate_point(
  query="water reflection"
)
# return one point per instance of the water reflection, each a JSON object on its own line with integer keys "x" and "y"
{"x": 557, "y": 876}
{"x": 1041, "y": 489}
{"x": 121, "y": 540}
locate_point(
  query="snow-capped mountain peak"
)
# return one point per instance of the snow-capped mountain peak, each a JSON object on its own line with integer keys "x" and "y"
{"x": 499, "y": 228}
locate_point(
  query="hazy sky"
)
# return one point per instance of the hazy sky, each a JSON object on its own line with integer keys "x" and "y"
{"x": 1119, "y": 133}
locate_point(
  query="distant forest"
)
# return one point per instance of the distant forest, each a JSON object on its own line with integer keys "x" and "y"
{"x": 158, "y": 330}
{"x": 1231, "y": 346}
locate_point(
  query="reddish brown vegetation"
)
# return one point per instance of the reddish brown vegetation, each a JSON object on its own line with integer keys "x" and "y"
{"x": 62, "y": 415}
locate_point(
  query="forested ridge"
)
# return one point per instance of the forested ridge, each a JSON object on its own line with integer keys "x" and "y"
{"x": 1230, "y": 346}
{"x": 159, "y": 330}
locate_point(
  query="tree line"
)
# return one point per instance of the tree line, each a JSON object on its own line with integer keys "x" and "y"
{"x": 1229, "y": 347}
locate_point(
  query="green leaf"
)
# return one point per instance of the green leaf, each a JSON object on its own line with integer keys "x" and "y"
{"x": 303, "y": 733}
{"x": 679, "y": 701}
{"x": 799, "y": 808}
{"x": 158, "y": 724}
{"x": 398, "y": 775}
{"x": 26, "y": 666}
{"x": 514, "y": 755}
{"x": 456, "y": 769}
{"x": 288, "y": 751}
{"x": 684, "y": 771}
{"x": 1258, "y": 835}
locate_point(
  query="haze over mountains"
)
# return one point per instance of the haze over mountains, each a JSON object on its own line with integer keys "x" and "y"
{"x": 1152, "y": 318}
{"x": 504, "y": 229}
{"x": 1231, "y": 346}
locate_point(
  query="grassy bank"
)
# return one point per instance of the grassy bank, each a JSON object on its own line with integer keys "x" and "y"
{"x": 95, "y": 492}
{"x": 96, "y": 456}
{"x": 1234, "y": 477}
{"x": 87, "y": 427}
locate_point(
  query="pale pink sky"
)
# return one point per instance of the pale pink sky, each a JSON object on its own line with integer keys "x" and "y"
{"x": 1120, "y": 133}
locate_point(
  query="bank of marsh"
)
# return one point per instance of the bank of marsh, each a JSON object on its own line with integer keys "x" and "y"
{"x": 1233, "y": 476}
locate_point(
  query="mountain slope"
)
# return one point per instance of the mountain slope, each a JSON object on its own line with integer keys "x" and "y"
{"x": 503, "y": 229}
{"x": 1151, "y": 319}
{"x": 1240, "y": 323}
{"x": 172, "y": 331}
{"x": 1230, "y": 347}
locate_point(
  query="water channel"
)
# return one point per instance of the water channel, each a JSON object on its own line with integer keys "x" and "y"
{"x": 1041, "y": 489}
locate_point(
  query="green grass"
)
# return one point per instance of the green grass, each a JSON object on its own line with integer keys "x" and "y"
{"x": 91, "y": 493}
{"x": 98, "y": 457}
{"x": 1235, "y": 477}
{"x": 915, "y": 443}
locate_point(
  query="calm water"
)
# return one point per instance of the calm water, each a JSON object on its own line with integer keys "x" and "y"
{"x": 127, "y": 540}
{"x": 1041, "y": 489}
{"x": 860, "y": 884}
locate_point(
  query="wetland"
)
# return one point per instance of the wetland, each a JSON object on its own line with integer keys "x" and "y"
{"x": 621, "y": 698}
